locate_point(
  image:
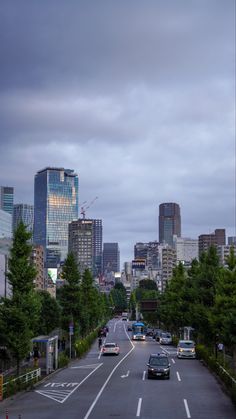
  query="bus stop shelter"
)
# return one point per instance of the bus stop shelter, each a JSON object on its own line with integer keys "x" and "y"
{"x": 48, "y": 348}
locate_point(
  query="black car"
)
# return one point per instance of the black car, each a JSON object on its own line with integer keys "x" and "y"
{"x": 158, "y": 366}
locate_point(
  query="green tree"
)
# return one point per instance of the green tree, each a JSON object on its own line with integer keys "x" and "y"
{"x": 50, "y": 313}
{"x": 69, "y": 297}
{"x": 89, "y": 303}
{"x": 148, "y": 284}
{"x": 20, "y": 312}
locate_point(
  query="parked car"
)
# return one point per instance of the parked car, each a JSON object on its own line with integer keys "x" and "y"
{"x": 165, "y": 338}
{"x": 158, "y": 366}
{"x": 110, "y": 349}
{"x": 186, "y": 349}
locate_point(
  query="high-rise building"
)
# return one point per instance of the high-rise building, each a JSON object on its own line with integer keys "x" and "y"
{"x": 97, "y": 246}
{"x": 24, "y": 213}
{"x": 186, "y": 249}
{"x": 169, "y": 261}
{"x": 37, "y": 258}
{"x": 111, "y": 257}
{"x": 5, "y": 225}
{"x": 55, "y": 206}
{"x": 7, "y": 199}
{"x": 231, "y": 240}
{"x": 148, "y": 251}
{"x": 81, "y": 243}
{"x": 169, "y": 222}
{"x": 212, "y": 239}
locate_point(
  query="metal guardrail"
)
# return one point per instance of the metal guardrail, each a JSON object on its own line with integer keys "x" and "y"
{"x": 24, "y": 379}
{"x": 227, "y": 373}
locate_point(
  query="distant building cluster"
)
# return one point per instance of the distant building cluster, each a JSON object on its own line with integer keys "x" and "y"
{"x": 56, "y": 229}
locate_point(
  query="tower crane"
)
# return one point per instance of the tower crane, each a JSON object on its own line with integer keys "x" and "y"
{"x": 84, "y": 208}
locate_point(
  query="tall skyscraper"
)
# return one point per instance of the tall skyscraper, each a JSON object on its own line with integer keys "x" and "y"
{"x": 97, "y": 246}
{"x": 81, "y": 243}
{"x": 55, "y": 206}
{"x": 111, "y": 257}
{"x": 169, "y": 222}
{"x": 85, "y": 241}
{"x": 7, "y": 199}
{"x": 24, "y": 213}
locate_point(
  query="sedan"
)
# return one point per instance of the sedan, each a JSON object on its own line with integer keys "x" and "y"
{"x": 110, "y": 349}
{"x": 186, "y": 349}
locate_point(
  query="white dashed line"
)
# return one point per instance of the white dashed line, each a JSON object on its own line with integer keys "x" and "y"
{"x": 144, "y": 374}
{"x": 187, "y": 409}
{"x": 178, "y": 376}
{"x": 172, "y": 359}
{"x": 139, "y": 407}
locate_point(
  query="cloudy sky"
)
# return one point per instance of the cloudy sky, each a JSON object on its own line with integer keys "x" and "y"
{"x": 137, "y": 96}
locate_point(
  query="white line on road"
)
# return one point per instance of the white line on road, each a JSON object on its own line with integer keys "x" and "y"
{"x": 108, "y": 378}
{"x": 125, "y": 376}
{"x": 139, "y": 407}
{"x": 178, "y": 376}
{"x": 144, "y": 373}
{"x": 172, "y": 359}
{"x": 187, "y": 409}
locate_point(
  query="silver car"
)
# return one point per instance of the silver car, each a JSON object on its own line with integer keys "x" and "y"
{"x": 186, "y": 349}
{"x": 165, "y": 338}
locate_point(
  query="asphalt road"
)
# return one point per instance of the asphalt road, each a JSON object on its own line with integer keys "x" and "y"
{"x": 117, "y": 387}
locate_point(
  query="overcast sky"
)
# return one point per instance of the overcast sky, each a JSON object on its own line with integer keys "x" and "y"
{"x": 138, "y": 97}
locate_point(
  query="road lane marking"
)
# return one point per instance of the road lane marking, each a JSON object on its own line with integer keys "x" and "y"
{"x": 124, "y": 376}
{"x": 85, "y": 366}
{"x": 139, "y": 406}
{"x": 178, "y": 376}
{"x": 109, "y": 377}
{"x": 187, "y": 409}
{"x": 144, "y": 373}
{"x": 61, "y": 396}
{"x": 172, "y": 359}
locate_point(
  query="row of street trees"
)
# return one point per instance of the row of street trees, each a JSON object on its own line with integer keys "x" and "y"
{"x": 203, "y": 297}
{"x": 28, "y": 312}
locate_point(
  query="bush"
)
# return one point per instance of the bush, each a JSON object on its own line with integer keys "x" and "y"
{"x": 63, "y": 360}
{"x": 224, "y": 374}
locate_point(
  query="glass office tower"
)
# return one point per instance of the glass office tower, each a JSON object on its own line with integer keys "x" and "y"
{"x": 169, "y": 222}
{"x": 24, "y": 213}
{"x": 55, "y": 206}
{"x": 7, "y": 198}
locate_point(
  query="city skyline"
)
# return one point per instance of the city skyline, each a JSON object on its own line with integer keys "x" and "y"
{"x": 138, "y": 98}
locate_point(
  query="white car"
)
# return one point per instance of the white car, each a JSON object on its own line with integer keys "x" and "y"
{"x": 186, "y": 349}
{"x": 165, "y": 338}
{"x": 110, "y": 349}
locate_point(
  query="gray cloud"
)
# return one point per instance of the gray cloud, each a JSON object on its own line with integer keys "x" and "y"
{"x": 137, "y": 97}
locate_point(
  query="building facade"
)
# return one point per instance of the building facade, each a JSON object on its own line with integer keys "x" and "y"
{"x": 169, "y": 222}
{"x": 55, "y": 206}
{"x": 111, "y": 257}
{"x": 5, "y": 225}
{"x": 205, "y": 241}
{"x": 168, "y": 263}
{"x": 81, "y": 243}
{"x": 7, "y": 199}
{"x": 37, "y": 258}
{"x": 97, "y": 246}
{"x": 186, "y": 249}
{"x": 24, "y": 213}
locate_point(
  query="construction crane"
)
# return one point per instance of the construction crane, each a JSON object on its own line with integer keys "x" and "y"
{"x": 84, "y": 208}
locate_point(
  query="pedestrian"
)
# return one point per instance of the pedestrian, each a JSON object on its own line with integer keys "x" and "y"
{"x": 36, "y": 356}
{"x": 99, "y": 342}
{"x": 220, "y": 347}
